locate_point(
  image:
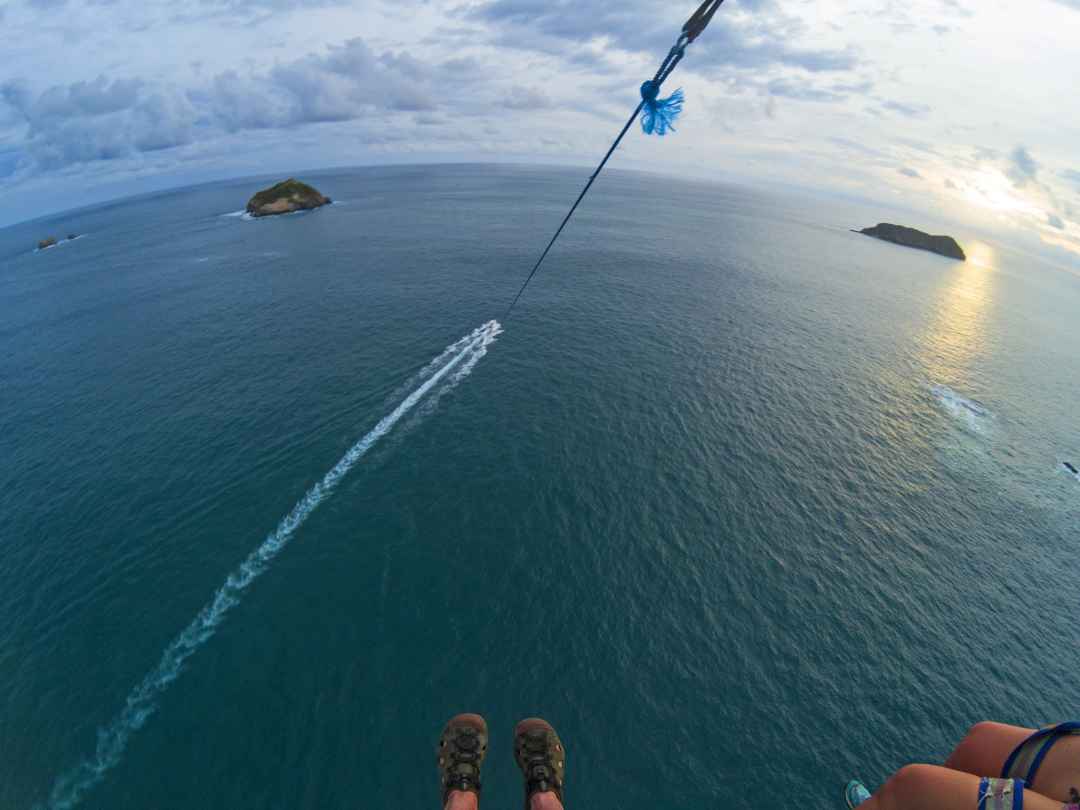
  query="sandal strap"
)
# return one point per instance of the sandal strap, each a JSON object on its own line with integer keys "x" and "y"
{"x": 538, "y": 761}
{"x": 462, "y": 754}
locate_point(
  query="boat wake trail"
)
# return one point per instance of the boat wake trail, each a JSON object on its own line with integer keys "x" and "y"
{"x": 438, "y": 377}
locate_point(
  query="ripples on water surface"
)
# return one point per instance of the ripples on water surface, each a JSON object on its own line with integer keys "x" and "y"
{"x": 783, "y": 499}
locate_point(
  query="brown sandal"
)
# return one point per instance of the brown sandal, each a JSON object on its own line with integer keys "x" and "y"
{"x": 540, "y": 755}
{"x": 461, "y": 752}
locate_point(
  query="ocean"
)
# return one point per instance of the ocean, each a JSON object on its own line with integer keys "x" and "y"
{"x": 744, "y": 503}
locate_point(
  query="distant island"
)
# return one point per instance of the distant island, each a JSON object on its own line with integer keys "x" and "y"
{"x": 284, "y": 198}
{"x": 51, "y": 241}
{"x": 909, "y": 237}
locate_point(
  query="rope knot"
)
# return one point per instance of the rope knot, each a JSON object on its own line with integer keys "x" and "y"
{"x": 658, "y": 117}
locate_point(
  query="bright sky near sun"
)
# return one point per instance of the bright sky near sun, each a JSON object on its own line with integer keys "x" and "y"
{"x": 964, "y": 109}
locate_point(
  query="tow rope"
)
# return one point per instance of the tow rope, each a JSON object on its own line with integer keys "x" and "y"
{"x": 657, "y": 115}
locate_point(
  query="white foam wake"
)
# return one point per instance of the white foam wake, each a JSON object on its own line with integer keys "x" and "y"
{"x": 969, "y": 411}
{"x": 449, "y": 368}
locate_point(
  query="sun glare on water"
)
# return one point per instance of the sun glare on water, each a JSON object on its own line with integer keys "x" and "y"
{"x": 980, "y": 254}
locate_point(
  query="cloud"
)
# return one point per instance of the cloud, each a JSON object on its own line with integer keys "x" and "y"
{"x": 761, "y": 39}
{"x": 950, "y": 184}
{"x": 246, "y": 6}
{"x": 1023, "y": 168}
{"x": 428, "y": 120}
{"x": 911, "y": 110}
{"x": 806, "y": 90}
{"x": 962, "y": 11}
{"x": 98, "y": 120}
{"x": 91, "y": 99}
{"x": 856, "y": 146}
{"x": 1054, "y": 221}
{"x": 213, "y": 8}
{"x": 9, "y": 162}
{"x": 236, "y": 102}
{"x": 107, "y": 119}
{"x": 15, "y": 93}
{"x": 803, "y": 91}
{"x": 1072, "y": 175}
{"x": 907, "y": 171}
{"x": 527, "y": 98}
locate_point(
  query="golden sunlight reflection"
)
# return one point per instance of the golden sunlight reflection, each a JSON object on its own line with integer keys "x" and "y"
{"x": 956, "y": 332}
{"x": 980, "y": 254}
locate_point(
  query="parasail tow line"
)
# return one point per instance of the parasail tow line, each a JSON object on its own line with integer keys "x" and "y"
{"x": 657, "y": 116}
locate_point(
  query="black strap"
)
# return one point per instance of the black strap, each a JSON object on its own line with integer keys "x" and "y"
{"x": 701, "y": 19}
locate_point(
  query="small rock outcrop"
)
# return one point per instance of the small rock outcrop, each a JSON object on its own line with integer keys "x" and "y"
{"x": 47, "y": 242}
{"x": 284, "y": 198}
{"x": 910, "y": 237}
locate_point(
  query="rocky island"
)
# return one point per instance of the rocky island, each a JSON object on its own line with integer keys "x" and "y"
{"x": 284, "y": 198}
{"x": 910, "y": 237}
{"x": 52, "y": 241}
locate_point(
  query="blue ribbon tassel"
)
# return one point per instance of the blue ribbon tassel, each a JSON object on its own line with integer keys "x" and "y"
{"x": 658, "y": 117}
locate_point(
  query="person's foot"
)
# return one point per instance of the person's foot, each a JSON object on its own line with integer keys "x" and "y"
{"x": 461, "y": 751}
{"x": 855, "y": 793}
{"x": 540, "y": 754}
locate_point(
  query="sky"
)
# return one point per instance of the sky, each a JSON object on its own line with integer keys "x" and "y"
{"x": 963, "y": 109}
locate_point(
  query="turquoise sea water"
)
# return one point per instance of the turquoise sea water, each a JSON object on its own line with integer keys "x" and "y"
{"x": 744, "y": 503}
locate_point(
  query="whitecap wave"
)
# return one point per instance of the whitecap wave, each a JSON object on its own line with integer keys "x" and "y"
{"x": 969, "y": 412}
{"x": 244, "y": 216}
{"x": 442, "y": 374}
